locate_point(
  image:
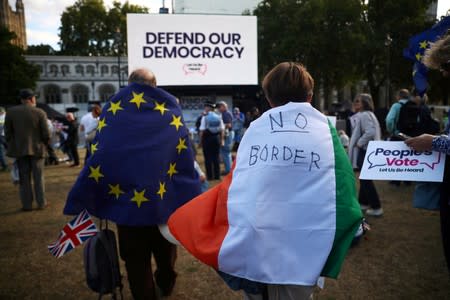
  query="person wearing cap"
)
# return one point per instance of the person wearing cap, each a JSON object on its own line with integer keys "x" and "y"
{"x": 3, "y": 164}
{"x": 211, "y": 139}
{"x": 27, "y": 136}
{"x": 225, "y": 149}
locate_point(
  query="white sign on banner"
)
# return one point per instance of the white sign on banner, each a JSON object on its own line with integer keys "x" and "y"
{"x": 194, "y": 49}
{"x": 396, "y": 161}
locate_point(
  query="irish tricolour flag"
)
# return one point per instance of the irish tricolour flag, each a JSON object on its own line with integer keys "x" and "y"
{"x": 288, "y": 211}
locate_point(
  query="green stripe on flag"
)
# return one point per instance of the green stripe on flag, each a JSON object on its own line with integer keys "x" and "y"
{"x": 348, "y": 211}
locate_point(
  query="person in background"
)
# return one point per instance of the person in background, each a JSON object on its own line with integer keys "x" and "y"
{"x": 27, "y": 136}
{"x": 345, "y": 140}
{"x": 211, "y": 139}
{"x": 438, "y": 57}
{"x": 72, "y": 139}
{"x": 88, "y": 126}
{"x": 253, "y": 114}
{"x": 3, "y": 163}
{"x": 394, "y": 113}
{"x": 238, "y": 126}
{"x": 225, "y": 149}
{"x": 392, "y": 120}
{"x": 52, "y": 159}
{"x": 366, "y": 129}
{"x": 204, "y": 183}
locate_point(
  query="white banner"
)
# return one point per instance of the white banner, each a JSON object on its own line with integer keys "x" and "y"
{"x": 194, "y": 49}
{"x": 396, "y": 161}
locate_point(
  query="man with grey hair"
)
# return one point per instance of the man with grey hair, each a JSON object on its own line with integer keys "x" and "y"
{"x": 143, "y": 76}
{"x": 27, "y": 136}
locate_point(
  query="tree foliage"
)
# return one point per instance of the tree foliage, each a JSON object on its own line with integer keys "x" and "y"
{"x": 15, "y": 72}
{"x": 88, "y": 28}
{"x": 41, "y": 49}
{"x": 341, "y": 42}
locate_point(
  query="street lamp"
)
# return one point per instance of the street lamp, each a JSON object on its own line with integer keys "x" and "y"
{"x": 388, "y": 43}
{"x": 117, "y": 39}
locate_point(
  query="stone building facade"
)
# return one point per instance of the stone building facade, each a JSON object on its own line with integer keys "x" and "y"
{"x": 73, "y": 81}
{"x": 14, "y": 21}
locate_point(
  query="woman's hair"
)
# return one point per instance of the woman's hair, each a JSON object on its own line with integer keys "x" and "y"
{"x": 287, "y": 82}
{"x": 438, "y": 54}
{"x": 366, "y": 101}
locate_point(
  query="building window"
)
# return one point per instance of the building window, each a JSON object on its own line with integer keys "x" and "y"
{"x": 52, "y": 93}
{"x": 90, "y": 70}
{"x": 80, "y": 93}
{"x": 54, "y": 70}
{"x": 65, "y": 70}
{"x": 114, "y": 70}
{"x": 104, "y": 70}
{"x": 106, "y": 91}
{"x": 40, "y": 68}
{"x": 79, "y": 69}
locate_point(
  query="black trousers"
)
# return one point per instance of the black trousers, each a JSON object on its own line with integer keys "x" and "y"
{"x": 367, "y": 192}
{"x": 211, "y": 151}
{"x": 137, "y": 245}
{"x": 73, "y": 150}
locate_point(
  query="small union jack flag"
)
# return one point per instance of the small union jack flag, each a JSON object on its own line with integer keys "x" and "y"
{"x": 75, "y": 233}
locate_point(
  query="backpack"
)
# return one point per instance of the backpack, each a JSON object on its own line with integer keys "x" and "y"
{"x": 409, "y": 118}
{"x": 101, "y": 263}
{"x": 428, "y": 123}
{"x": 212, "y": 122}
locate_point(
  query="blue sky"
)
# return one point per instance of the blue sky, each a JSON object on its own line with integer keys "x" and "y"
{"x": 43, "y": 16}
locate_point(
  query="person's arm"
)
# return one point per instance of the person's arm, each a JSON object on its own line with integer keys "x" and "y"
{"x": 392, "y": 118}
{"x": 45, "y": 132}
{"x": 8, "y": 129}
{"x": 427, "y": 142}
{"x": 222, "y": 133}
{"x": 201, "y": 128}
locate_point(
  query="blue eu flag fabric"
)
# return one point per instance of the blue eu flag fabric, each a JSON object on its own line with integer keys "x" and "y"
{"x": 416, "y": 49}
{"x": 142, "y": 165}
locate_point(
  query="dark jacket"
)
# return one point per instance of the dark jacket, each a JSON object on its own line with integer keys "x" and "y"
{"x": 26, "y": 131}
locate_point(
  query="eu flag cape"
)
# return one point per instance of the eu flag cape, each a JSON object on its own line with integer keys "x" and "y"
{"x": 142, "y": 166}
{"x": 288, "y": 211}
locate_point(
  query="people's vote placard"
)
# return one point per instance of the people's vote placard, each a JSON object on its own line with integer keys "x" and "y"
{"x": 396, "y": 161}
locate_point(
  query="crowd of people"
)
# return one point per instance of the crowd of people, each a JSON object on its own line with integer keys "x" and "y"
{"x": 26, "y": 135}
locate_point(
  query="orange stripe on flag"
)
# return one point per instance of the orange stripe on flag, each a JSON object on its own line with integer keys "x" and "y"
{"x": 201, "y": 224}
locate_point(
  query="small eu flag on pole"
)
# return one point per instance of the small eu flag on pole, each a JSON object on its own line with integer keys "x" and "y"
{"x": 416, "y": 48}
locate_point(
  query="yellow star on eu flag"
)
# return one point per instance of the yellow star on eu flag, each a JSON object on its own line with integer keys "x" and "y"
{"x": 418, "y": 56}
{"x": 115, "y": 107}
{"x": 181, "y": 145}
{"x": 172, "y": 169}
{"x": 138, "y": 99}
{"x": 94, "y": 148}
{"x": 139, "y": 198}
{"x": 423, "y": 44}
{"x": 95, "y": 173}
{"x": 162, "y": 190}
{"x": 161, "y": 107}
{"x": 101, "y": 124}
{"x": 176, "y": 121}
{"x": 115, "y": 190}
